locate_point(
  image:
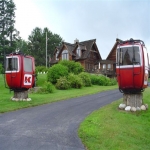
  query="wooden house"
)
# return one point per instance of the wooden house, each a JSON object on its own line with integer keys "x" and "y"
{"x": 85, "y": 52}
{"x": 108, "y": 66}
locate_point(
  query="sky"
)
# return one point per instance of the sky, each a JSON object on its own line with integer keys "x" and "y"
{"x": 103, "y": 20}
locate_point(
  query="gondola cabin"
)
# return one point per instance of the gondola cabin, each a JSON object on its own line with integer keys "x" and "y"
{"x": 19, "y": 71}
{"x": 132, "y": 66}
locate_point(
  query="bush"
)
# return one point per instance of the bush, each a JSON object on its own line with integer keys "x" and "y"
{"x": 62, "y": 83}
{"x": 48, "y": 88}
{"x": 75, "y": 81}
{"x": 102, "y": 80}
{"x": 85, "y": 78}
{"x": 73, "y": 67}
{"x": 55, "y": 72}
{"x": 41, "y": 69}
{"x": 94, "y": 79}
{"x": 113, "y": 81}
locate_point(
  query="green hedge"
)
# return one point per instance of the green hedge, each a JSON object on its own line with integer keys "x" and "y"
{"x": 55, "y": 72}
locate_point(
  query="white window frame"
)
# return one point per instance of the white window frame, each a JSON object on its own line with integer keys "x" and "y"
{"x": 57, "y": 55}
{"x": 7, "y": 71}
{"x": 130, "y": 66}
{"x": 65, "y": 55}
{"x": 79, "y": 51}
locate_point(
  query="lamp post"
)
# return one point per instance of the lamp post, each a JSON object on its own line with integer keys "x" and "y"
{"x": 46, "y": 49}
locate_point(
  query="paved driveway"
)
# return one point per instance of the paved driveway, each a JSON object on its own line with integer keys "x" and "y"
{"x": 51, "y": 126}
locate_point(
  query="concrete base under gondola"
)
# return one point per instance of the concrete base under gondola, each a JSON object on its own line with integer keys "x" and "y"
{"x": 21, "y": 96}
{"x": 133, "y": 100}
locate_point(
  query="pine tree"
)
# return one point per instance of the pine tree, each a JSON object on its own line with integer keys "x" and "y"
{"x": 8, "y": 33}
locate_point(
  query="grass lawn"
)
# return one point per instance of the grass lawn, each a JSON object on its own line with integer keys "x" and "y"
{"x": 38, "y": 99}
{"x": 111, "y": 129}
{"x": 105, "y": 129}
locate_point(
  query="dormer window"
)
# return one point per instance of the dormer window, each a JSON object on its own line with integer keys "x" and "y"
{"x": 65, "y": 55}
{"x": 57, "y": 55}
{"x": 79, "y": 51}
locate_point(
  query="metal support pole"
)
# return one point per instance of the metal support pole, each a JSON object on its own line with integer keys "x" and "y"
{"x": 46, "y": 49}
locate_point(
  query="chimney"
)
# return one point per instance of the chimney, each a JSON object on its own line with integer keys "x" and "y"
{"x": 76, "y": 41}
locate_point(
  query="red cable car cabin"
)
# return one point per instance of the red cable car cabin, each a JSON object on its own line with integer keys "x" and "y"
{"x": 132, "y": 66}
{"x": 20, "y": 71}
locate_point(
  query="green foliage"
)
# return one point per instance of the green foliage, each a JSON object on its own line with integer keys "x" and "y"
{"x": 22, "y": 45}
{"x": 48, "y": 88}
{"x": 85, "y": 78}
{"x": 8, "y": 34}
{"x": 37, "y": 46}
{"x": 118, "y": 127}
{"x": 62, "y": 83}
{"x": 113, "y": 81}
{"x": 73, "y": 67}
{"x": 1, "y": 69}
{"x": 55, "y": 72}
{"x": 39, "y": 99}
{"x": 41, "y": 69}
{"x": 75, "y": 80}
{"x": 102, "y": 80}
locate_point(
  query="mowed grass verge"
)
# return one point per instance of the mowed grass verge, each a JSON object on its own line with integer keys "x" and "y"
{"x": 38, "y": 99}
{"x": 111, "y": 129}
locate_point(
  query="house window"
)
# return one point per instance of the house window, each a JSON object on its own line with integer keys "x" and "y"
{"x": 79, "y": 51}
{"x": 57, "y": 55}
{"x": 104, "y": 66}
{"x": 65, "y": 55}
{"x": 109, "y": 66}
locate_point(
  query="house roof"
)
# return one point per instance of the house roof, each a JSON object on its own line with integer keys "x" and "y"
{"x": 112, "y": 54}
{"x": 85, "y": 46}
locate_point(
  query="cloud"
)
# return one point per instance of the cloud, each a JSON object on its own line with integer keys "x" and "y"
{"x": 87, "y": 19}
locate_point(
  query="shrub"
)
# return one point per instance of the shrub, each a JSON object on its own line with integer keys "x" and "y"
{"x": 85, "y": 78}
{"x": 41, "y": 69}
{"x": 113, "y": 81}
{"x": 102, "y": 80}
{"x": 75, "y": 81}
{"x": 55, "y": 72}
{"x": 62, "y": 83}
{"x": 94, "y": 79}
{"x": 48, "y": 88}
{"x": 73, "y": 67}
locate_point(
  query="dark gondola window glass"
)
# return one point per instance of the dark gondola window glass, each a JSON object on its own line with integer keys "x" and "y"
{"x": 128, "y": 56}
{"x": 11, "y": 64}
{"x": 27, "y": 64}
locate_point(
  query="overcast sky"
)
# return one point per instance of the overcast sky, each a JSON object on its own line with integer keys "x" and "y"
{"x": 103, "y": 20}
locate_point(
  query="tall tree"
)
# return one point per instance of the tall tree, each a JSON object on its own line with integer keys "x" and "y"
{"x": 8, "y": 33}
{"x": 37, "y": 44}
{"x": 22, "y": 45}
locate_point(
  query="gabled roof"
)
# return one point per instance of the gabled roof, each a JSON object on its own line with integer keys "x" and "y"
{"x": 112, "y": 54}
{"x": 69, "y": 47}
{"x": 85, "y": 46}
{"x": 89, "y": 45}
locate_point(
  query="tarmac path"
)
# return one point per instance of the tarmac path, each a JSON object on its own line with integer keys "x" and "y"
{"x": 51, "y": 126}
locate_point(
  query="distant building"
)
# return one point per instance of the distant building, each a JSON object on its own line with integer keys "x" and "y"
{"x": 108, "y": 66}
{"x": 85, "y": 52}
